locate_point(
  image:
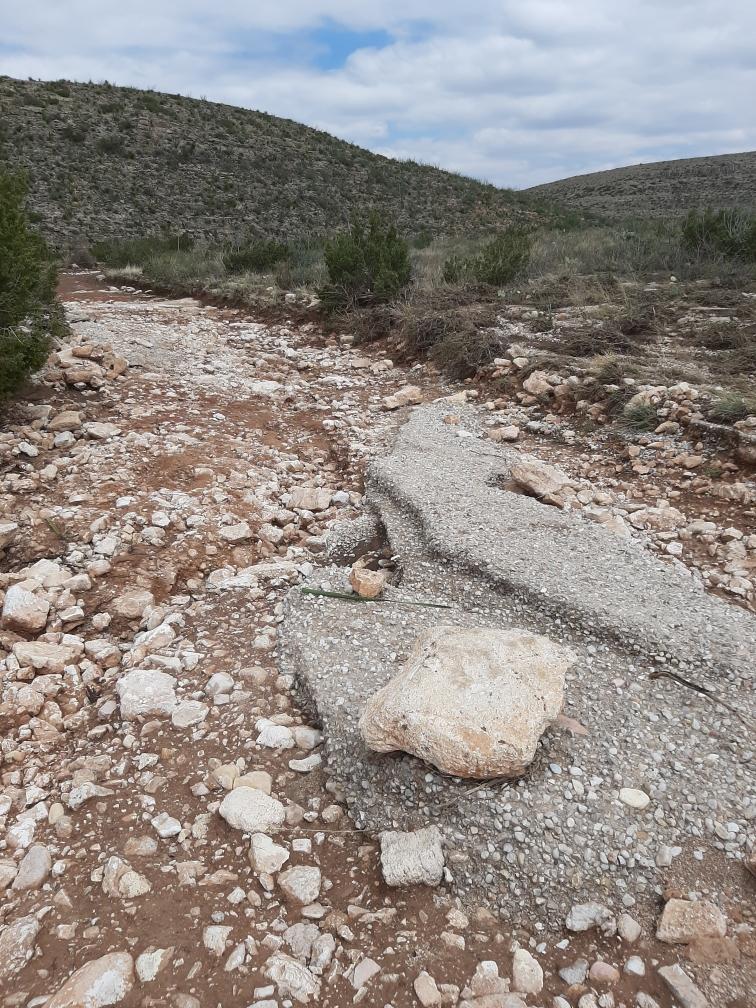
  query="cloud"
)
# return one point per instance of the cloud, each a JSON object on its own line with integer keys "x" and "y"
{"x": 515, "y": 91}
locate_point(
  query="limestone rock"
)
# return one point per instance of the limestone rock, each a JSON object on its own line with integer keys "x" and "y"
{"x": 413, "y": 858}
{"x": 265, "y": 856}
{"x": 44, "y": 657}
{"x": 121, "y": 881}
{"x": 292, "y": 978}
{"x": 683, "y": 921}
{"x": 540, "y": 479}
{"x": 301, "y": 883}
{"x": 24, "y": 612}
{"x": 585, "y": 916}
{"x": 473, "y": 702}
{"x": 311, "y": 498}
{"x": 410, "y": 395}
{"x": 682, "y": 987}
{"x": 367, "y": 583}
{"x": 34, "y": 868}
{"x": 251, "y": 810}
{"x": 132, "y": 604}
{"x": 527, "y": 974}
{"x": 101, "y": 982}
{"x": 17, "y": 944}
{"x": 8, "y": 532}
{"x": 145, "y": 692}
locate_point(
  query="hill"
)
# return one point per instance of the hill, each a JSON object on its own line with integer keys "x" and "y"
{"x": 116, "y": 162}
{"x": 660, "y": 189}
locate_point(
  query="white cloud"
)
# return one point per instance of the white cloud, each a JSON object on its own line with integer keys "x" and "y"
{"x": 516, "y": 91}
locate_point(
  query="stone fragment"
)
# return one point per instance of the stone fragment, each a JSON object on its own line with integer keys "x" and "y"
{"x": 426, "y": 990}
{"x": 215, "y": 938}
{"x": 100, "y": 982}
{"x": 634, "y": 798}
{"x": 412, "y": 858}
{"x": 311, "y": 498}
{"x": 292, "y": 978}
{"x": 23, "y": 611}
{"x": 367, "y": 583}
{"x": 682, "y": 987}
{"x": 253, "y": 811}
{"x": 300, "y": 883}
{"x": 146, "y": 693}
{"x": 363, "y": 971}
{"x": 585, "y": 916}
{"x": 120, "y": 881}
{"x": 237, "y": 533}
{"x": 472, "y": 702}
{"x": 603, "y": 973}
{"x": 540, "y": 479}
{"x": 132, "y": 605}
{"x": 8, "y": 530}
{"x": 410, "y": 395}
{"x": 265, "y": 856}
{"x": 34, "y": 869}
{"x": 188, "y": 713}
{"x": 683, "y": 921}
{"x": 44, "y": 657}
{"x": 151, "y": 962}
{"x": 17, "y": 944}
{"x": 527, "y": 974}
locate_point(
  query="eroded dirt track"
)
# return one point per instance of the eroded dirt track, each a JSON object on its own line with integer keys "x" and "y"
{"x": 164, "y": 521}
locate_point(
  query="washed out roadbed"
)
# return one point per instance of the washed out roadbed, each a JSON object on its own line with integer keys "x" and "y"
{"x": 172, "y": 483}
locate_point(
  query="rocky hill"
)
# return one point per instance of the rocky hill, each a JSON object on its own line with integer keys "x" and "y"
{"x": 112, "y": 162}
{"x": 661, "y": 189}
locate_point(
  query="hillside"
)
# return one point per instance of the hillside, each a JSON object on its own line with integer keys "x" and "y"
{"x": 112, "y": 162}
{"x": 661, "y": 189}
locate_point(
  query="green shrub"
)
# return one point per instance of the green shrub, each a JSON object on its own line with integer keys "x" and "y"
{"x": 256, "y": 256}
{"x": 732, "y": 407}
{"x": 136, "y": 251}
{"x": 27, "y": 289}
{"x": 370, "y": 262}
{"x": 640, "y": 417}
{"x": 497, "y": 263}
{"x": 730, "y": 233}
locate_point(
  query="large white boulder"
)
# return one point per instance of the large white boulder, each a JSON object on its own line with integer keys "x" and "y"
{"x": 472, "y": 702}
{"x": 145, "y": 693}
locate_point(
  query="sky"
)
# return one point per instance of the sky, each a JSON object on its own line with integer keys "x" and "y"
{"x": 516, "y": 92}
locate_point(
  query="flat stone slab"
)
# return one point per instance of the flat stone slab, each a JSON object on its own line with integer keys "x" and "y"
{"x": 561, "y": 834}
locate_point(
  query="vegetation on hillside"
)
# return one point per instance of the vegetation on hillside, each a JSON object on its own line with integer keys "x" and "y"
{"x": 28, "y": 312}
{"x": 660, "y": 189}
{"x": 108, "y": 162}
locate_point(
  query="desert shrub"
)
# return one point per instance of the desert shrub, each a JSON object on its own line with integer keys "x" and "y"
{"x": 640, "y": 417}
{"x": 497, "y": 263}
{"x": 731, "y": 233}
{"x": 369, "y": 262}
{"x": 189, "y": 270}
{"x": 255, "y": 256}
{"x": 27, "y": 289}
{"x": 136, "y": 251}
{"x": 111, "y": 143}
{"x": 731, "y": 407}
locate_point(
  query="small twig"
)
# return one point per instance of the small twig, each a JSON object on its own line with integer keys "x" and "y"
{"x": 703, "y": 690}
{"x": 351, "y": 597}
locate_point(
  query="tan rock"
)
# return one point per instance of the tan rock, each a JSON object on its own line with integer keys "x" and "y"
{"x": 68, "y": 420}
{"x": 472, "y": 702}
{"x": 311, "y": 498}
{"x": 132, "y": 604}
{"x": 410, "y": 395}
{"x": 44, "y": 657}
{"x": 34, "y": 869}
{"x": 367, "y": 583}
{"x": 683, "y": 921}
{"x": 540, "y": 479}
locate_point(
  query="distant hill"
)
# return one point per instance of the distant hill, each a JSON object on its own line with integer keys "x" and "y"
{"x": 661, "y": 189}
{"x": 110, "y": 162}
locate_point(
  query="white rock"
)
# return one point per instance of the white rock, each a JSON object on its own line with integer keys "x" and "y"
{"x": 253, "y": 811}
{"x": 239, "y": 532}
{"x": 301, "y": 883}
{"x": 527, "y": 974}
{"x": 23, "y": 611}
{"x": 145, "y": 693}
{"x": 413, "y": 858}
{"x": 188, "y": 713}
{"x": 292, "y": 978}
{"x": 584, "y": 916}
{"x": 274, "y": 736}
{"x": 634, "y": 798}
{"x": 133, "y": 604}
{"x": 473, "y": 702}
{"x": 310, "y": 498}
{"x": 17, "y": 944}
{"x": 683, "y": 921}
{"x": 34, "y": 869}
{"x": 151, "y": 962}
{"x": 101, "y": 982}
{"x": 166, "y": 826}
{"x": 265, "y": 856}
{"x": 682, "y": 987}
{"x": 215, "y": 937}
